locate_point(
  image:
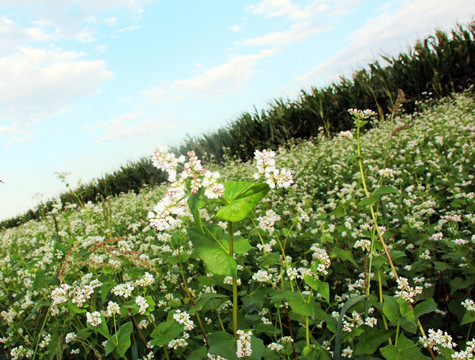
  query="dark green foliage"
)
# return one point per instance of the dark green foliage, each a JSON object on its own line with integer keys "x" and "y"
{"x": 435, "y": 67}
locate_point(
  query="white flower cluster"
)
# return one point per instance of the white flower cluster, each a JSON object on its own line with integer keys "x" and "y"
{"x": 266, "y": 168}
{"x": 182, "y": 317}
{"x": 386, "y": 172}
{"x": 469, "y": 304}
{"x": 142, "y": 303}
{"x": 244, "y": 344}
{"x": 94, "y": 318}
{"x": 361, "y": 114}
{"x": 364, "y": 244}
{"x": 267, "y": 222}
{"x": 321, "y": 256}
{"x": 436, "y": 339}
{"x": 468, "y": 353}
{"x": 405, "y": 291}
{"x": 346, "y": 134}
{"x": 146, "y": 280}
{"x": 262, "y": 276}
{"x": 123, "y": 290}
{"x": 167, "y": 214}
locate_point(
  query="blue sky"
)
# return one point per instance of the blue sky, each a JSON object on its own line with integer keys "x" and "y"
{"x": 86, "y": 86}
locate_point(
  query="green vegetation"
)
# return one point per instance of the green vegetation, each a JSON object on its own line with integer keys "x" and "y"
{"x": 439, "y": 65}
{"x": 369, "y": 253}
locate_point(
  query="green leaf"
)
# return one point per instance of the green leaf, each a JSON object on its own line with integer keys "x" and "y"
{"x": 241, "y": 245}
{"x": 101, "y": 328}
{"x": 425, "y": 307}
{"x": 377, "y": 194}
{"x": 339, "y": 253}
{"x": 123, "y": 336}
{"x": 168, "y": 331}
{"x": 321, "y": 287}
{"x": 405, "y": 349}
{"x": 258, "y": 348}
{"x": 241, "y": 197}
{"x": 211, "y": 249}
{"x": 204, "y": 300}
{"x": 298, "y": 304}
{"x": 110, "y": 347}
{"x": 468, "y": 317}
{"x": 222, "y": 344}
{"x": 348, "y": 305}
{"x": 391, "y": 308}
{"x": 370, "y": 341}
{"x": 197, "y": 201}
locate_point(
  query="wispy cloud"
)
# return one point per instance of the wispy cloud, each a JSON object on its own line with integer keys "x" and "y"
{"x": 225, "y": 78}
{"x": 410, "y": 20}
{"x": 305, "y": 21}
{"x": 37, "y": 83}
{"x": 130, "y": 125}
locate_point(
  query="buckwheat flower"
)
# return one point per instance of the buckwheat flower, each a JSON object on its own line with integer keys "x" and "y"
{"x": 386, "y": 173}
{"x": 460, "y": 242}
{"x": 243, "y": 344}
{"x": 283, "y": 179}
{"x": 346, "y": 135}
{"x": 347, "y": 353}
{"x": 292, "y": 273}
{"x": 437, "y": 236}
{"x": 364, "y": 244}
{"x": 123, "y": 290}
{"x": 371, "y": 321}
{"x": 469, "y": 304}
{"x": 454, "y": 218}
{"x": 94, "y": 318}
{"x": 275, "y": 347}
{"x": 213, "y": 189}
{"x": 146, "y": 280}
{"x": 436, "y": 339}
{"x": 361, "y": 114}
{"x": 70, "y": 337}
{"x": 75, "y": 351}
{"x": 177, "y": 343}
{"x": 405, "y": 291}
{"x": 46, "y": 339}
{"x": 112, "y": 309}
{"x": 184, "y": 319}
{"x": 268, "y": 221}
{"x": 262, "y": 276}
{"x": 168, "y": 162}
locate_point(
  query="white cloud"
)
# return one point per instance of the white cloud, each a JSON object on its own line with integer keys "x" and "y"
{"x": 229, "y": 77}
{"x": 131, "y": 125}
{"x": 313, "y": 18}
{"x": 398, "y": 26}
{"x": 129, "y": 28}
{"x": 37, "y": 83}
{"x": 12, "y": 34}
{"x": 299, "y": 32}
{"x": 273, "y": 8}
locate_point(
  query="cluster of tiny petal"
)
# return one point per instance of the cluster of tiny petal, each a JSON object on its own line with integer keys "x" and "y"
{"x": 323, "y": 259}
{"x": 267, "y": 222}
{"x": 468, "y": 353}
{"x": 94, "y": 318}
{"x": 146, "y": 280}
{"x": 364, "y": 244}
{"x": 123, "y": 290}
{"x": 184, "y": 318}
{"x": 436, "y": 339}
{"x": 177, "y": 343}
{"x": 243, "y": 344}
{"x": 347, "y": 353}
{"x": 405, "y": 291}
{"x": 262, "y": 276}
{"x": 274, "y": 177}
{"x": 142, "y": 303}
{"x": 168, "y": 162}
{"x": 469, "y": 304}
{"x": 386, "y": 172}
{"x": 361, "y": 114}
{"x": 346, "y": 134}
{"x": 275, "y": 347}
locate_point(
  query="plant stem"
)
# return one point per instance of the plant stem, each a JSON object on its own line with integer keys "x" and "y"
{"x": 235, "y": 297}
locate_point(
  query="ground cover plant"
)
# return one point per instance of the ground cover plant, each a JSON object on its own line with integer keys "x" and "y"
{"x": 357, "y": 246}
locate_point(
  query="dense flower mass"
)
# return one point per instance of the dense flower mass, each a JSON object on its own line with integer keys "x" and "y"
{"x": 99, "y": 281}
